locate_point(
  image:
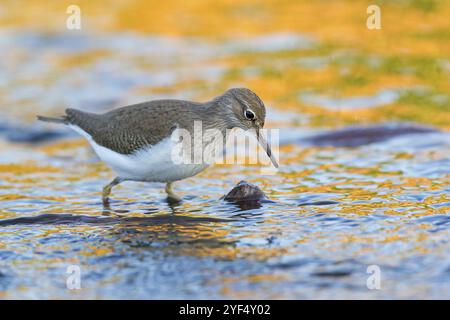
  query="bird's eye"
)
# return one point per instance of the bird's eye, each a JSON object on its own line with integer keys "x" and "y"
{"x": 249, "y": 114}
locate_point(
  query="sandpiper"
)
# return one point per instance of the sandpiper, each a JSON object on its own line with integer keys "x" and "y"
{"x": 136, "y": 140}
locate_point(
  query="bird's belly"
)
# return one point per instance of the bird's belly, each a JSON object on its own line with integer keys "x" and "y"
{"x": 153, "y": 164}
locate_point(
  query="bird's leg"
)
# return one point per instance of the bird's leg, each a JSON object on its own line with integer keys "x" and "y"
{"x": 171, "y": 196}
{"x": 107, "y": 190}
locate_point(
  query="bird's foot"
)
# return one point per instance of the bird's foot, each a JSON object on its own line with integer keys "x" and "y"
{"x": 105, "y": 201}
{"x": 105, "y": 195}
{"x": 171, "y": 196}
{"x": 107, "y": 191}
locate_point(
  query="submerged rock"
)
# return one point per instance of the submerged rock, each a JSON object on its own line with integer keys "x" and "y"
{"x": 356, "y": 136}
{"x": 245, "y": 192}
{"x": 246, "y": 196}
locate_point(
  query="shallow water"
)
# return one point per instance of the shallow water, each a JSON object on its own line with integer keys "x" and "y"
{"x": 335, "y": 211}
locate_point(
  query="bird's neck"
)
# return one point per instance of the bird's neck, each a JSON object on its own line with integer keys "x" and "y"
{"x": 218, "y": 115}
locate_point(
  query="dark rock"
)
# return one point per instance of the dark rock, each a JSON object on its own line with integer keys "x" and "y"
{"x": 318, "y": 203}
{"x": 35, "y": 135}
{"x": 31, "y": 134}
{"x": 244, "y": 192}
{"x": 77, "y": 219}
{"x": 333, "y": 274}
{"x": 358, "y": 136}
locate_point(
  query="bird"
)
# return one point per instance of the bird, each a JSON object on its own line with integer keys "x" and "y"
{"x": 137, "y": 141}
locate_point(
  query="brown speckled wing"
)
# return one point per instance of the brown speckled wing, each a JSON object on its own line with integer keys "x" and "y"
{"x": 128, "y": 129}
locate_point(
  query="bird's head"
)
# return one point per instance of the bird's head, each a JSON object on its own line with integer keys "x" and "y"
{"x": 248, "y": 113}
{"x": 248, "y": 109}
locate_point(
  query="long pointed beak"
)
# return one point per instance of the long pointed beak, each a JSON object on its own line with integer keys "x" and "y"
{"x": 266, "y": 147}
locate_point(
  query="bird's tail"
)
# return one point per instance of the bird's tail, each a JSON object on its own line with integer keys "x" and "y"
{"x": 62, "y": 120}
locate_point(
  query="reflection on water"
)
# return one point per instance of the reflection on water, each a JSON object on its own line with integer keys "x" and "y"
{"x": 334, "y": 211}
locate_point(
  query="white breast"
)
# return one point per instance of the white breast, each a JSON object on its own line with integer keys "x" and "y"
{"x": 153, "y": 164}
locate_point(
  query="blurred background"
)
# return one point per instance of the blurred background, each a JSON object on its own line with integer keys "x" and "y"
{"x": 364, "y": 150}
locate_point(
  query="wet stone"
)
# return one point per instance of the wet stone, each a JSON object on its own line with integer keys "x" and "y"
{"x": 356, "y": 136}
{"x": 245, "y": 191}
